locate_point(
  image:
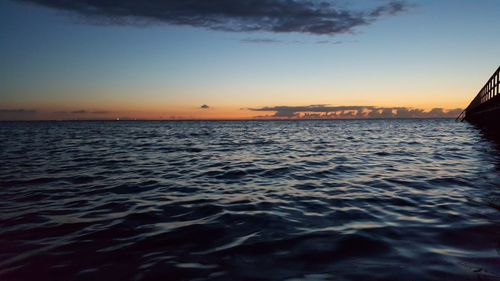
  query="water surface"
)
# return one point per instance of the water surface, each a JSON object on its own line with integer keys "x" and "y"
{"x": 315, "y": 200}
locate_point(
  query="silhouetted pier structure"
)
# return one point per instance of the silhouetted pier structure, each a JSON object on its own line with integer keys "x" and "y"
{"x": 484, "y": 109}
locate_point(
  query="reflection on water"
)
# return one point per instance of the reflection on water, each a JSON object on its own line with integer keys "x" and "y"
{"x": 491, "y": 136}
{"x": 314, "y": 200}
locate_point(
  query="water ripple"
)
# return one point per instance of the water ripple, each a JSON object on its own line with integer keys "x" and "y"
{"x": 311, "y": 200}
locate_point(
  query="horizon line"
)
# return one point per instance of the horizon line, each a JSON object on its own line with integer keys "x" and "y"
{"x": 223, "y": 119}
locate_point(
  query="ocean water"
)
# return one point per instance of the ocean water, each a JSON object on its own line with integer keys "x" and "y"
{"x": 297, "y": 200}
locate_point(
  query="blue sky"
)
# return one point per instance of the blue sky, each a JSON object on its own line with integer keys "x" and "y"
{"x": 434, "y": 54}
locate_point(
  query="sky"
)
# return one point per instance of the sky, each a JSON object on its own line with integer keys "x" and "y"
{"x": 227, "y": 59}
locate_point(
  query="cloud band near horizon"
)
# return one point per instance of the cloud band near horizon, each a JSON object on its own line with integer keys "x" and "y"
{"x": 277, "y": 16}
{"x": 276, "y": 112}
{"x": 326, "y": 111}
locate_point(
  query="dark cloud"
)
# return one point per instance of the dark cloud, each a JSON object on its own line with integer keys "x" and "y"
{"x": 325, "y": 112}
{"x": 204, "y": 106}
{"x": 292, "y": 111}
{"x": 280, "y": 16}
{"x": 454, "y": 112}
{"x": 391, "y": 8}
{"x": 410, "y": 113}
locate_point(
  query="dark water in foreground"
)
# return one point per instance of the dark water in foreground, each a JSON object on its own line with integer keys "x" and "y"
{"x": 315, "y": 200}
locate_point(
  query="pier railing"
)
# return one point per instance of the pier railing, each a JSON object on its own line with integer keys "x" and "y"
{"x": 489, "y": 91}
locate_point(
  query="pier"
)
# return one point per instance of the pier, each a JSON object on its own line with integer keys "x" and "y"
{"x": 484, "y": 110}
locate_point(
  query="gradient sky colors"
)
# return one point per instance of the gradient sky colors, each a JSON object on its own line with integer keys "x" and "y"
{"x": 57, "y": 64}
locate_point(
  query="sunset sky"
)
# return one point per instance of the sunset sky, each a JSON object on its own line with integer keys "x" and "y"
{"x": 242, "y": 59}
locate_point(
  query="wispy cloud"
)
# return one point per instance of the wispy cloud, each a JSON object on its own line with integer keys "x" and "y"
{"x": 101, "y": 112}
{"x": 278, "y": 16}
{"x": 328, "y": 42}
{"x": 261, "y": 41}
{"x": 17, "y": 114}
{"x": 333, "y": 112}
{"x": 18, "y": 111}
{"x": 82, "y": 112}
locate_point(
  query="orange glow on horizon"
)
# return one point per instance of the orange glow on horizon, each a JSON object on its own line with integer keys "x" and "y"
{"x": 182, "y": 113}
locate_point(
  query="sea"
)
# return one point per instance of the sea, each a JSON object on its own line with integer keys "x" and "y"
{"x": 249, "y": 200}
